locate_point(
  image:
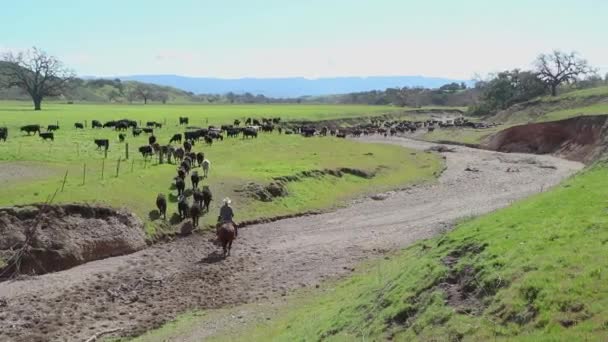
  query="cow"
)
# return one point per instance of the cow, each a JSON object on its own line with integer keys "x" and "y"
{"x": 151, "y": 140}
{"x": 207, "y": 197}
{"x": 200, "y": 156}
{"x": 206, "y": 165}
{"x": 105, "y": 143}
{"x": 208, "y": 140}
{"x": 233, "y": 132}
{"x": 121, "y": 126}
{"x": 183, "y": 120}
{"x": 195, "y": 179}
{"x": 256, "y": 122}
{"x": 161, "y": 204}
{"x": 180, "y": 185}
{"x": 3, "y": 133}
{"x": 121, "y": 137}
{"x": 186, "y": 165}
{"x": 30, "y": 128}
{"x": 109, "y": 124}
{"x": 148, "y": 130}
{"x": 178, "y": 154}
{"x": 79, "y": 125}
{"x": 47, "y": 135}
{"x": 176, "y": 138}
{"x": 248, "y": 121}
{"x": 136, "y": 132}
{"x": 308, "y": 131}
{"x": 182, "y": 207}
{"x": 268, "y": 128}
{"x": 250, "y": 132}
{"x": 95, "y": 124}
{"x": 237, "y": 122}
{"x": 146, "y": 151}
{"x": 187, "y": 146}
{"x": 51, "y": 128}
{"x": 341, "y": 135}
{"x": 195, "y": 213}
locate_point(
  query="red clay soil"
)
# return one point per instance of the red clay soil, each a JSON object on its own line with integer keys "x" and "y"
{"x": 578, "y": 138}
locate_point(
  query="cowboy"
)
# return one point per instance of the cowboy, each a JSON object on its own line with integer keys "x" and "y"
{"x": 226, "y": 215}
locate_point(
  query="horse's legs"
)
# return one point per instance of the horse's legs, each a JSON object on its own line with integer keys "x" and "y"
{"x": 229, "y": 246}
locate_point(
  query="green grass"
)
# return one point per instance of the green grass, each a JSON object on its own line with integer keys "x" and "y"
{"x": 597, "y": 109}
{"x": 235, "y": 162}
{"x": 540, "y": 264}
{"x": 460, "y": 135}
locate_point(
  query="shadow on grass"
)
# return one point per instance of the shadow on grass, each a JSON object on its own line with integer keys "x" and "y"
{"x": 154, "y": 215}
{"x": 175, "y": 219}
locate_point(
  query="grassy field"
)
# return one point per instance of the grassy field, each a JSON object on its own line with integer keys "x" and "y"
{"x": 234, "y": 162}
{"x": 535, "y": 271}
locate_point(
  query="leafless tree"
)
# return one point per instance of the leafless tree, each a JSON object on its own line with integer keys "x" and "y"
{"x": 35, "y": 72}
{"x": 144, "y": 92}
{"x": 559, "y": 67}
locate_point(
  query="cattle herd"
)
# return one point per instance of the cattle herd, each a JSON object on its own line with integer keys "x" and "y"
{"x": 186, "y": 159}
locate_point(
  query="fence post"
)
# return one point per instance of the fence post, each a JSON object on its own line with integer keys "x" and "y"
{"x": 64, "y": 179}
{"x": 84, "y": 174}
{"x": 105, "y": 153}
{"x": 132, "y": 164}
{"x": 19, "y": 151}
{"x": 126, "y": 151}
{"x": 118, "y": 167}
{"x": 103, "y": 166}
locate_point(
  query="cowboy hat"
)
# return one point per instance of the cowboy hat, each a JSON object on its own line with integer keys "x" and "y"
{"x": 227, "y": 200}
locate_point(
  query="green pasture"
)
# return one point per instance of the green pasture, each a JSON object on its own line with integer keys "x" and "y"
{"x": 134, "y": 183}
{"x": 537, "y": 271}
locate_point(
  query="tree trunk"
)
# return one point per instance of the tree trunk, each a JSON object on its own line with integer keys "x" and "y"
{"x": 553, "y": 89}
{"x": 37, "y": 102}
{"x": 145, "y": 100}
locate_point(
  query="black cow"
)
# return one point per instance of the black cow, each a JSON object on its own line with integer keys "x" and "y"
{"x": 187, "y": 146}
{"x": 195, "y": 178}
{"x": 215, "y": 135}
{"x": 237, "y": 122}
{"x": 182, "y": 207}
{"x": 148, "y": 130}
{"x": 47, "y": 135}
{"x": 78, "y": 125}
{"x": 207, "y": 197}
{"x": 200, "y": 156}
{"x": 195, "y": 213}
{"x": 176, "y": 138}
{"x": 136, "y": 132}
{"x": 180, "y": 185}
{"x": 30, "y": 128}
{"x": 183, "y": 120}
{"x": 161, "y": 204}
{"x": 151, "y": 140}
{"x": 109, "y": 124}
{"x": 3, "y": 133}
{"x": 250, "y": 132}
{"x": 233, "y": 132}
{"x": 341, "y": 135}
{"x": 121, "y": 137}
{"x": 105, "y": 143}
{"x": 52, "y": 128}
{"x": 146, "y": 151}
{"x": 121, "y": 126}
{"x": 96, "y": 124}
{"x": 208, "y": 140}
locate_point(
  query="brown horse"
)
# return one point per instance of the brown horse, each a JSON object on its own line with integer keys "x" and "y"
{"x": 225, "y": 234}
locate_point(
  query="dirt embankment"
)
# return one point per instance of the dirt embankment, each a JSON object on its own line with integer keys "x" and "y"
{"x": 38, "y": 239}
{"x": 581, "y": 138}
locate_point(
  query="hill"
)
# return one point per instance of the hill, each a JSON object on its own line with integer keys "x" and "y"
{"x": 290, "y": 87}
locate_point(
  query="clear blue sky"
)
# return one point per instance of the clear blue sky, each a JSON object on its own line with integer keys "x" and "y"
{"x": 310, "y": 38}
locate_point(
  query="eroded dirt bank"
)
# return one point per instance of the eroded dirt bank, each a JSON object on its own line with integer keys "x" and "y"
{"x": 145, "y": 289}
{"x": 578, "y": 138}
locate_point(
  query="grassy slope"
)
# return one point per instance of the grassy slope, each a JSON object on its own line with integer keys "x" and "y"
{"x": 576, "y": 103}
{"x": 543, "y": 266}
{"x": 234, "y": 161}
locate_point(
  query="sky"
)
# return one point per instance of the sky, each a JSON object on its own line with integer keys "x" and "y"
{"x": 305, "y": 38}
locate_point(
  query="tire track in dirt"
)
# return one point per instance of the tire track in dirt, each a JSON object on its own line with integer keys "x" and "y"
{"x": 143, "y": 290}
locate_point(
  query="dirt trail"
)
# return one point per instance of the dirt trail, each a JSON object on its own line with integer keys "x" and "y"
{"x": 141, "y": 291}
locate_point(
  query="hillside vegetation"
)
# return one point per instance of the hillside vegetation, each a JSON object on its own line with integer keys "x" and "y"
{"x": 533, "y": 272}
{"x": 591, "y": 101}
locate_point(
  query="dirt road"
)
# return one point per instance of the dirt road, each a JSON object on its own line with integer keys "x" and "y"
{"x": 140, "y": 291}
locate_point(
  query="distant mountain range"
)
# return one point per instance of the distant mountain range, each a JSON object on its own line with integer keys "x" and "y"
{"x": 290, "y": 87}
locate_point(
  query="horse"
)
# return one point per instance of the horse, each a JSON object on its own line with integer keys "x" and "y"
{"x": 225, "y": 235}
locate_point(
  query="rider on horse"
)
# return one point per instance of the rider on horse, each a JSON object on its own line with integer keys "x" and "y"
{"x": 226, "y": 215}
